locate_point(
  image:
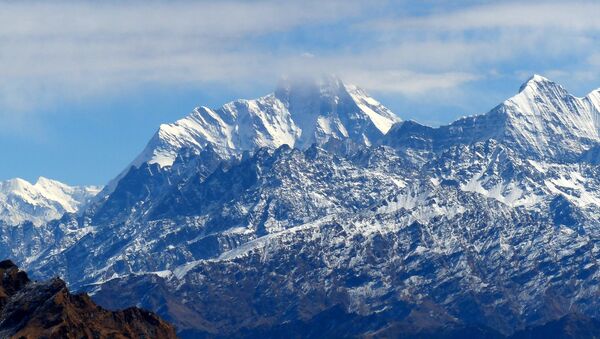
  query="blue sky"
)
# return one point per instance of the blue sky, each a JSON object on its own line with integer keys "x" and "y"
{"x": 83, "y": 86}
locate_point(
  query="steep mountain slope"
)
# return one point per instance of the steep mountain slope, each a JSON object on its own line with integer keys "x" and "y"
{"x": 41, "y": 202}
{"x": 486, "y": 227}
{"x": 543, "y": 121}
{"x": 47, "y": 310}
{"x": 299, "y": 113}
{"x": 431, "y": 244}
{"x": 263, "y": 194}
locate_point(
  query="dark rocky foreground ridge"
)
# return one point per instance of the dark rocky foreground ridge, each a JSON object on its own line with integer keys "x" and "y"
{"x": 31, "y": 309}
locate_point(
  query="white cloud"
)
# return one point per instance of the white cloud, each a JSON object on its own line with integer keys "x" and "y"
{"x": 89, "y": 45}
{"x": 222, "y": 19}
{"x": 71, "y": 50}
{"x": 480, "y": 40}
{"x": 410, "y": 83}
{"x": 566, "y": 15}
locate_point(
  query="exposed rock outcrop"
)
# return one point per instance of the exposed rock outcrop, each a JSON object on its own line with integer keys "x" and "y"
{"x": 31, "y": 309}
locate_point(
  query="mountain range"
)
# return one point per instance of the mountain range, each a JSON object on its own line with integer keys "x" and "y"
{"x": 317, "y": 209}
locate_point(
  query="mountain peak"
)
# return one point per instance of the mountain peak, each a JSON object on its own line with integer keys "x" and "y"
{"x": 40, "y": 202}
{"x": 595, "y": 96}
{"x": 539, "y": 83}
{"x": 45, "y": 182}
{"x": 538, "y": 78}
{"x": 324, "y": 106}
{"x": 542, "y": 121}
{"x": 545, "y": 118}
{"x": 15, "y": 184}
{"x": 303, "y": 109}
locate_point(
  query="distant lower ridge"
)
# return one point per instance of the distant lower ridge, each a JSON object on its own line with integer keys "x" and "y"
{"x": 47, "y": 310}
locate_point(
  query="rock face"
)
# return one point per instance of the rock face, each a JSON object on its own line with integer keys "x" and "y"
{"x": 47, "y": 310}
{"x": 488, "y": 226}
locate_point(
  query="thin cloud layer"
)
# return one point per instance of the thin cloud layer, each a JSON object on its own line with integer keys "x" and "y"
{"x": 567, "y": 15}
{"x": 74, "y": 50}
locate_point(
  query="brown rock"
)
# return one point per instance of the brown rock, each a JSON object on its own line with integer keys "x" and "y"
{"x": 47, "y": 310}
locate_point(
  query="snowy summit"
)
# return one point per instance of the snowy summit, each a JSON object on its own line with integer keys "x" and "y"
{"x": 300, "y": 112}
{"x": 40, "y": 202}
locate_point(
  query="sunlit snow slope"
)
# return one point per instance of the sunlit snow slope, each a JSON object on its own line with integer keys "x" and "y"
{"x": 298, "y": 113}
{"x": 40, "y": 202}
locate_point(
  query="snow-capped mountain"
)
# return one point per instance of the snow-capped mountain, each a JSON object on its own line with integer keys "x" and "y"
{"x": 298, "y": 113}
{"x": 543, "y": 121}
{"x": 41, "y": 202}
{"x": 297, "y": 212}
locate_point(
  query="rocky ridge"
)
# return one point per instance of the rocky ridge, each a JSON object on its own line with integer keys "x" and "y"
{"x": 30, "y": 309}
